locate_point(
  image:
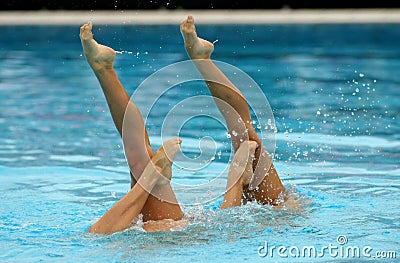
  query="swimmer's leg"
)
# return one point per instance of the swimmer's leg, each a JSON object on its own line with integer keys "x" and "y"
{"x": 228, "y": 97}
{"x": 240, "y": 173}
{"x": 101, "y": 59}
{"x": 157, "y": 172}
{"x": 136, "y": 141}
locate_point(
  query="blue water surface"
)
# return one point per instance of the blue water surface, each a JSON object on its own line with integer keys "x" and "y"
{"x": 334, "y": 91}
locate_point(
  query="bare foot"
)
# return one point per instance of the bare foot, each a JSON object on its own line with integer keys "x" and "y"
{"x": 98, "y": 56}
{"x": 248, "y": 171}
{"x": 197, "y": 48}
{"x": 241, "y": 170}
{"x": 163, "y": 158}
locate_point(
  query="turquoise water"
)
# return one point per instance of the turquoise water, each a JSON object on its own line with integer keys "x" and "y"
{"x": 334, "y": 91}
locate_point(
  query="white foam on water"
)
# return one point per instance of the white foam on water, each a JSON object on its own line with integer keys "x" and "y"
{"x": 334, "y": 168}
{"x": 326, "y": 139}
{"x": 74, "y": 158}
{"x": 187, "y": 143}
{"x": 8, "y": 159}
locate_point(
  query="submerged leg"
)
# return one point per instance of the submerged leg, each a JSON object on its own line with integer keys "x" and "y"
{"x": 157, "y": 172}
{"x": 240, "y": 173}
{"x": 228, "y": 97}
{"x": 136, "y": 142}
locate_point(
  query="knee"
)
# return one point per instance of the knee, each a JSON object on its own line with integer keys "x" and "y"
{"x": 138, "y": 156}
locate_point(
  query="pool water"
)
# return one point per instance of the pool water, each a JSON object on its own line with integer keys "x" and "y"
{"x": 334, "y": 91}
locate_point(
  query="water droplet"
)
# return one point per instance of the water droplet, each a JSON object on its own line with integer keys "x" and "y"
{"x": 234, "y": 133}
{"x": 361, "y": 75}
{"x": 228, "y": 136}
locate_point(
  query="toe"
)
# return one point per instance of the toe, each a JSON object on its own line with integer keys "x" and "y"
{"x": 178, "y": 140}
{"x": 86, "y": 31}
{"x": 89, "y": 27}
{"x": 82, "y": 29}
{"x": 183, "y": 23}
{"x": 253, "y": 145}
{"x": 187, "y": 24}
{"x": 185, "y": 27}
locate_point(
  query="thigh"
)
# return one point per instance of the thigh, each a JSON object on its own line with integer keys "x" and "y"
{"x": 138, "y": 151}
{"x": 266, "y": 187}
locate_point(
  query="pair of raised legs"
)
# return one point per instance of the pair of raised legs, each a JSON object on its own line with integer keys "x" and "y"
{"x": 149, "y": 169}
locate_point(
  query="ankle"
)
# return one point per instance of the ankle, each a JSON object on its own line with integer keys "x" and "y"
{"x": 102, "y": 68}
{"x": 200, "y": 57}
